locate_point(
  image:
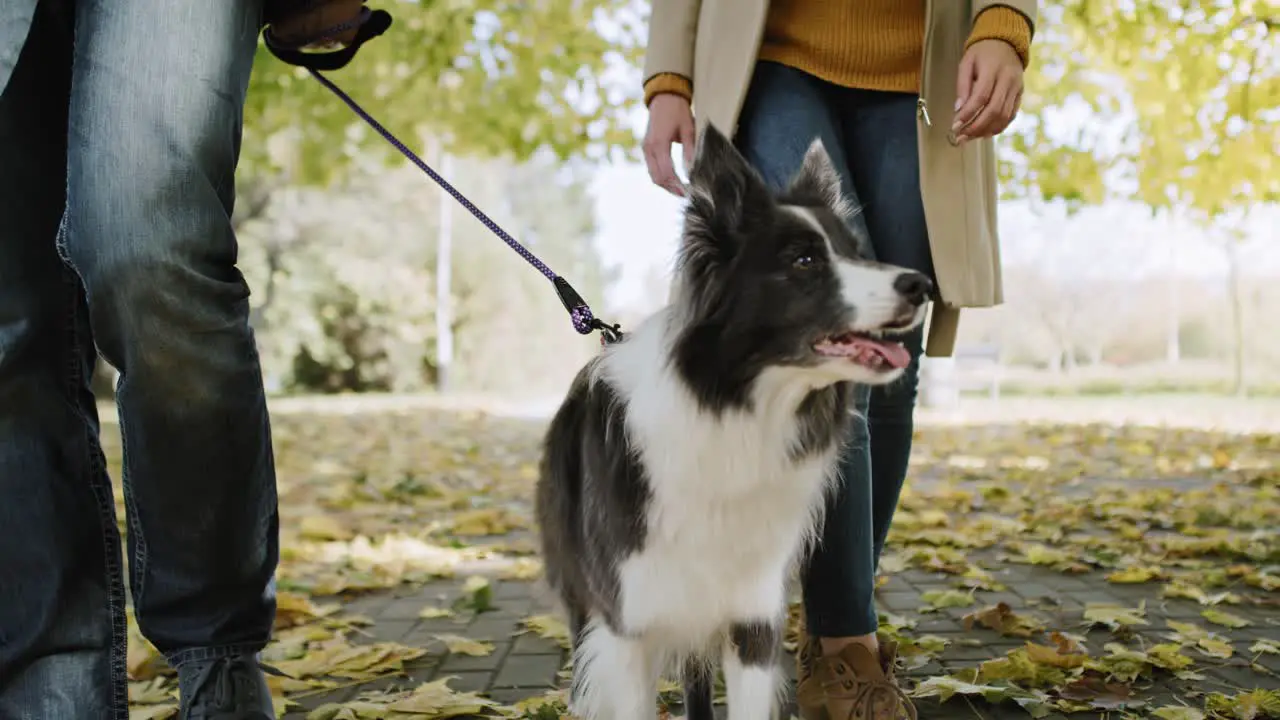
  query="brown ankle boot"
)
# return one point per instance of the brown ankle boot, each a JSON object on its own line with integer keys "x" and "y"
{"x": 807, "y": 653}
{"x": 853, "y": 685}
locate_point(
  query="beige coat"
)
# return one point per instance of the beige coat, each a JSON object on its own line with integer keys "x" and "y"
{"x": 715, "y": 44}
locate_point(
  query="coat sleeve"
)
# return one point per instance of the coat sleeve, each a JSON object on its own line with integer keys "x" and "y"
{"x": 1001, "y": 22}
{"x": 1027, "y": 8}
{"x": 673, "y": 32}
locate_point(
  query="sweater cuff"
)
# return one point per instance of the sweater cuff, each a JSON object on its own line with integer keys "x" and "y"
{"x": 1003, "y": 23}
{"x": 667, "y": 83}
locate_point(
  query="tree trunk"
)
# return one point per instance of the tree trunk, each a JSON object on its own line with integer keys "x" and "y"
{"x": 1055, "y": 361}
{"x": 1234, "y": 292}
{"x": 444, "y": 278}
{"x": 1173, "y": 344}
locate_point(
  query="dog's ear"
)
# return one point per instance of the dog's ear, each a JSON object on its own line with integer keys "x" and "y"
{"x": 819, "y": 181}
{"x": 724, "y": 190}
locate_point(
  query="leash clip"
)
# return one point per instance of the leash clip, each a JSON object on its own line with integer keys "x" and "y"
{"x": 584, "y": 321}
{"x": 609, "y": 334}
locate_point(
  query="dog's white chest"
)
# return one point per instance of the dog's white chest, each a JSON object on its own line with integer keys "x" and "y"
{"x": 709, "y": 561}
{"x": 729, "y": 511}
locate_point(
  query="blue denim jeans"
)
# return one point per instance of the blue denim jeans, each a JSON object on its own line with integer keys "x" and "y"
{"x": 871, "y": 136}
{"x": 119, "y": 134}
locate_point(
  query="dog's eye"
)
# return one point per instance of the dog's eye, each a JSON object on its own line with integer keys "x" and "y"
{"x": 803, "y": 262}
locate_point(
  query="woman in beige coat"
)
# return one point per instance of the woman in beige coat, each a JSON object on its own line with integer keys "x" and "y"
{"x": 905, "y": 95}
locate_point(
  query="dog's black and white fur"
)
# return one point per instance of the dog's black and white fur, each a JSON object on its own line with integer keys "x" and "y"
{"x": 686, "y": 470}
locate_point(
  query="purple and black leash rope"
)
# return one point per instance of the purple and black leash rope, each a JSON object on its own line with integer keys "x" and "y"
{"x": 373, "y": 23}
{"x": 584, "y": 321}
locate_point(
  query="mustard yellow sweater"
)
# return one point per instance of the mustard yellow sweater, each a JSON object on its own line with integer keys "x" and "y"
{"x": 869, "y": 44}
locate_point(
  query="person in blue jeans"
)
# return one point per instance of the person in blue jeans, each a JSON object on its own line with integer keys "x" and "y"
{"x": 120, "y": 128}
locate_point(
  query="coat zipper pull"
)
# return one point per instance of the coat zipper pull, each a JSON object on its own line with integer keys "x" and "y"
{"x": 922, "y": 109}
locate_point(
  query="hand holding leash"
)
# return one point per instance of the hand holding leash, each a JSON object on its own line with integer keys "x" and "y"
{"x": 314, "y": 25}
{"x": 296, "y": 26}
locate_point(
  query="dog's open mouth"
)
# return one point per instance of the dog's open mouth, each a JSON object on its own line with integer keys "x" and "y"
{"x": 871, "y": 352}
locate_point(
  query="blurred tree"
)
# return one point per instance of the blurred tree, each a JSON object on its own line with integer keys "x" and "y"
{"x": 354, "y": 292}
{"x": 493, "y": 77}
{"x": 1171, "y": 102}
{"x": 556, "y": 217}
{"x": 1195, "y": 86}
{"x": 519, "y": 336}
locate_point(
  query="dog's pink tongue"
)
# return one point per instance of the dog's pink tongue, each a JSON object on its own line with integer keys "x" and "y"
{"x": 893, "y": 353}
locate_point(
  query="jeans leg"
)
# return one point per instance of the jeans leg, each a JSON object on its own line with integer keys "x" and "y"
{"x": 839, "y": 581}
{"x": 62, "y": 631}
{"x": 784, "y": 110}
{"x": 890, "y": 417}
{"x": 880, "y": 137}
{"x": 157, "y": 101}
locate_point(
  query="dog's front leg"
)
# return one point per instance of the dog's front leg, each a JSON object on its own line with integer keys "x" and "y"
{"x": 615, "y": 677}
{"x": 752, "y": 677}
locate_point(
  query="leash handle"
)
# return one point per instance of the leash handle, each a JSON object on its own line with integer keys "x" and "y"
{"x": 371, "y": 24}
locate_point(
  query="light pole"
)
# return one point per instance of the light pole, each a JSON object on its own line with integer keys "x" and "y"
{"x": 444, "y": 272}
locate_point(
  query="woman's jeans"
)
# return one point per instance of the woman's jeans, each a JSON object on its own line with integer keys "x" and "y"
{"x": 871, "y": 137}
{"x": 119, "y": 132}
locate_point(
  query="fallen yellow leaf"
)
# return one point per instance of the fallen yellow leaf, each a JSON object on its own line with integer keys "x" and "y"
{"x": 465, "y": 646}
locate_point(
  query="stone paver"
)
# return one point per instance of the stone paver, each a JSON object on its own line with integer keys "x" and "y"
{"x": 524, "y": 665}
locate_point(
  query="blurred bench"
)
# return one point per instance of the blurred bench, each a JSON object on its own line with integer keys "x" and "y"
{"x": 971, "y": 367}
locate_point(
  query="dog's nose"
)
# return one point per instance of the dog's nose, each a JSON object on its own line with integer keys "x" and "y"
{"x": 914, "y": 287}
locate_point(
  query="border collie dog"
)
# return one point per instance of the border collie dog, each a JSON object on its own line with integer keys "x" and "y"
{"x": 685, "y": 473}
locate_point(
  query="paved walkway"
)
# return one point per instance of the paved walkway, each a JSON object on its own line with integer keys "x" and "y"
{"x": 524, "y": 665}
{"x": 1191, "y": 504}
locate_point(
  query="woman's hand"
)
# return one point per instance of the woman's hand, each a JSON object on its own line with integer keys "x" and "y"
{"x": 988, "y": 90}
{"x": 670, "y": 121}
